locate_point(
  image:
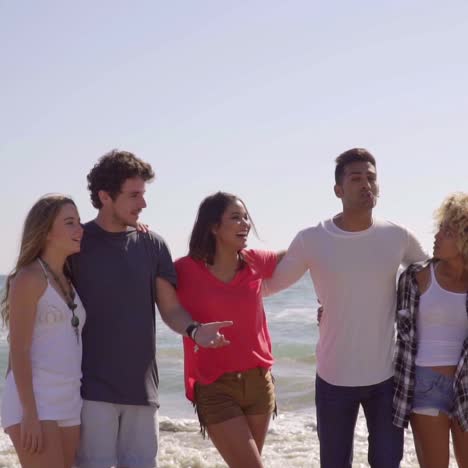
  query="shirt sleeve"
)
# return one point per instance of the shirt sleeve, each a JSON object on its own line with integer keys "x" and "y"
{"x": 164, "y": 265}
{"x": 414, "y": 251}
{"x": 289, "y": 270}
{"x": 265, "y": 261}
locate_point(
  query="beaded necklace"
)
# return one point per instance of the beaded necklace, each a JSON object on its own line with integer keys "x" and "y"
{"x": 69, "y": 296}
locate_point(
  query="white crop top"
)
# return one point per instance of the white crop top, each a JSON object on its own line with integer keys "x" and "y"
{"x": 442, "y": 325}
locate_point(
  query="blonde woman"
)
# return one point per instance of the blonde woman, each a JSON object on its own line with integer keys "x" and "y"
{"x": 431, "y": 365}
{"x": 41, "y": 401}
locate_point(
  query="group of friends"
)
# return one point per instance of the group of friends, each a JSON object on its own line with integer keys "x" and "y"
{"x": 82, "y": 383}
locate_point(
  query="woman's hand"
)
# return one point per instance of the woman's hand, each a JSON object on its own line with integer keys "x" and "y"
{"x": 31, "y": 434}
{"x": 207, "y": 335}
{"x": 142, "y": 227}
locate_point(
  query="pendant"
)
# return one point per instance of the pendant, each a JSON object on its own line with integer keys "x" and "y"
{"x": 75, "y": 321}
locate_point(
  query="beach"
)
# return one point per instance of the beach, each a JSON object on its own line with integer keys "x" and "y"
{"x": 292, "y": 438}
{"x": 291, "y": 441}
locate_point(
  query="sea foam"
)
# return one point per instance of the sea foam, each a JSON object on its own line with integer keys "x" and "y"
{"x": 291, "y": 441}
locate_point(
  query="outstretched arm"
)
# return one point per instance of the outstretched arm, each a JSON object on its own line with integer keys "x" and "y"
{"x": 290, "y": 268}
{"x": 178, "y": 319}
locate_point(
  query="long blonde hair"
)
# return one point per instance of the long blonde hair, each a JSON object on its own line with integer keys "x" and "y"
{"x": 37, "y": 225}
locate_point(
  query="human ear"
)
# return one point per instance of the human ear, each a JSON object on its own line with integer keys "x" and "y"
{"x": 104, "y": 197}
{"x": 338, "y": 190}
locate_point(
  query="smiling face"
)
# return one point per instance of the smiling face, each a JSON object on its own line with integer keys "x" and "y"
{"x": 66, "y": 232}
{"x": 358, "y": 188}
{"x": 125, "y": 209}
{"x": 234, "y": 227}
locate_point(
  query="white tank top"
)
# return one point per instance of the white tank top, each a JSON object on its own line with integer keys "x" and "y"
{"x": 55, "y": 350}
{"x": 55, "y": 362}
{"x": 442, "y": 325}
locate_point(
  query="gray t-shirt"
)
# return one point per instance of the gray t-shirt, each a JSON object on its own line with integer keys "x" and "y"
{"x": 115, "y": 275}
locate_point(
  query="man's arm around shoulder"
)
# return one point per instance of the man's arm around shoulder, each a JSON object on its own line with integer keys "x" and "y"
{"x": 290, "y": 268}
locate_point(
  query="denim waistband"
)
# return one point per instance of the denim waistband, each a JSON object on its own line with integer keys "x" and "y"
{"x": 437, "y": 377}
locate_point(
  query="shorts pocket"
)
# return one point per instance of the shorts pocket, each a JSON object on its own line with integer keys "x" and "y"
{"x": 423, "y": 385}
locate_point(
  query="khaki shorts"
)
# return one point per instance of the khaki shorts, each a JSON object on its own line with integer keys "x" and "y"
{"x": 118, "y": 435}
{"x": 235, "y": 394}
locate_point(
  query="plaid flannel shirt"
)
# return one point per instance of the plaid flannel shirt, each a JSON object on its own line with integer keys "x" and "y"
{"x": 405, "y": 354}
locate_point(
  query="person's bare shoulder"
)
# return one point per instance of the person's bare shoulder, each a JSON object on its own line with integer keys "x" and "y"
{"x": 30, "y": 280}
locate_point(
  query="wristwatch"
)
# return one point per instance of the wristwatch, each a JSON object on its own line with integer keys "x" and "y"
{"x": 190, "y": 330}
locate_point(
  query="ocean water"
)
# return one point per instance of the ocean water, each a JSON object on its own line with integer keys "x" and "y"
{"x": 292, "y": 437}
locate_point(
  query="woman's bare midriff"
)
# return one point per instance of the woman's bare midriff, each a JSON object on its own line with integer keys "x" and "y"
{"x": 448, "y": 371}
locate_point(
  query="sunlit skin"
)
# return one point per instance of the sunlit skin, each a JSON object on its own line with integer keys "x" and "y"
{"x": 445, "y": 244}
{"x": 63, "y": 239}
{"x": 66, "y": 233}
{"x": 358, "y": 191}
{"x": 231, "y": 235}
{"x": 41, "y": 443}
{"x": 431, "y": 433}
{"x": 116, "y": 215}
{"x": 451, "y": 272}
{"x": 232, "y": 232}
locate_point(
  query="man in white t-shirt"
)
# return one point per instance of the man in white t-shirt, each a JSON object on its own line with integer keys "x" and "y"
{"x": 353, "y": 260}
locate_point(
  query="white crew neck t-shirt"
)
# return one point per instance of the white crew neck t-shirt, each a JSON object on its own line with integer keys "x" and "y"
{"x": 354, "y": 275}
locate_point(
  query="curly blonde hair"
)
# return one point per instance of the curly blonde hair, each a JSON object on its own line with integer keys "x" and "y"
{"x": 453, "y": 213}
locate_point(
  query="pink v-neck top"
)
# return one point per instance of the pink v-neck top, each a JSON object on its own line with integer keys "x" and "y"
{"x": 209, "y": 299}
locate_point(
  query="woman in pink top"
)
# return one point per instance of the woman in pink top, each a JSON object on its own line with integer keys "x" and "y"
{"x": 232, "y": 388}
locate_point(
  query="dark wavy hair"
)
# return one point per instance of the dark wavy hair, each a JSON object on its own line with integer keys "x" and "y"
{"x": 112, "y": 170}
{"x": 351, "y": 156}
{"x": 202, "y": 245}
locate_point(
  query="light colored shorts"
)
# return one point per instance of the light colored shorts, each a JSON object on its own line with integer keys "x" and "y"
{"x": 60, "y": 423}
{"x": 235, "y": 394}
{"x": 433, "y": 393}
{"x": 69, "y": 422}
{"x": 62, "y": 404}
{"x": 118, "y": 435}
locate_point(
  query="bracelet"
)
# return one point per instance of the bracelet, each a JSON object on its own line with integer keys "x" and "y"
{"x": 194, "y": 333}
{"x": 191, "y": 329}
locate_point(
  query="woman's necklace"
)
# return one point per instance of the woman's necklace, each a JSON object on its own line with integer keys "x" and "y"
{"x": 69, "y": 296}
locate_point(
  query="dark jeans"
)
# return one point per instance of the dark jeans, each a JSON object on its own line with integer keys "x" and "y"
{"x": 337, "y": 411}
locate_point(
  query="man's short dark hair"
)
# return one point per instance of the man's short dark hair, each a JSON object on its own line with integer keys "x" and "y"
{"x": 112, "y": 170}
{"x": 351, "y": 156}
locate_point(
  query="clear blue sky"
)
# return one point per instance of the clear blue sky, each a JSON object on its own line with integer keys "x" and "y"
{"x": 256, "y": 98}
